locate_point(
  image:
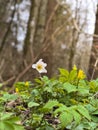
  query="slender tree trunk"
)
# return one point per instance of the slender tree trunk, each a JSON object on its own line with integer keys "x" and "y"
{"x": 12, "y": 37}
{"x": 63, "y": 29}
{"x": 75, "y": 37}
{"x": 93, "y": 67}
{"x": 86, "y": 17}
{"x": 36, "y": 30}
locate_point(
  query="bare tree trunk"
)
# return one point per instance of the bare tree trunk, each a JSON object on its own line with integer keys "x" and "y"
{"x": 36, "y": 30}
{"x": 75, "y": 37}
{"x": 85, "y": 18}
{"x": 62, "y": 39}
{"x": 93, "y": 67}
{"x": 37, "y": 25}
{"x": 12, "y": 38}
{"x": 5, "y": 47}
{"x": 64, "y": 28}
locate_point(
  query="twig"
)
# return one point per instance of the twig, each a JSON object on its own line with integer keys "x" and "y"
{"x": 95, "y": 65}
{"x": 29, "y": 66}
{"x": 2, "y": 63}
{"x": 7, "y": 81}
{"x": 50, "y": 18}
{"x": 10, "y": 79}
{"x": 44, "y": 48}
{"x": 1, "y": 79}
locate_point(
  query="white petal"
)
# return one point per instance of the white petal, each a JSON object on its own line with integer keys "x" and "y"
{"x": 34, "y": 66}
{"x": 43, "y": 71}
{"x": 40, "y": 60}
{"x": 44, "y": 64}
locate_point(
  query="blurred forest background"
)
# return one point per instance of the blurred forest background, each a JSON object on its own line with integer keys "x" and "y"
{"x": 61, "y": 32}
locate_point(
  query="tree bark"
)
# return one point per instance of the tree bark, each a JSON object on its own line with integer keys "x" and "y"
{"x": 59, "y": 32}
{"x": 74, "y": 40}
{"x": 86, "y": 25}
{"x": 11, "y": 55}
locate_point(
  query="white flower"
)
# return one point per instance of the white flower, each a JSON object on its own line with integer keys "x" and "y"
{"x": 40, "y": 66}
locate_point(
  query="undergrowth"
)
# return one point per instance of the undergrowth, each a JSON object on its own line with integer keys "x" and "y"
{"x": 67, "y": 102}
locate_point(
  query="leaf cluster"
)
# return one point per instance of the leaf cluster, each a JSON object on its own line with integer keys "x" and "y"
{"x": 68, "y": 101}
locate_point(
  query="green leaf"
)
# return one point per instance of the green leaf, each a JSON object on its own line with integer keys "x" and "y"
{"x": 33, "y": 104}
{"x": 60, "y": 110}
{"x": 50, "y": 104}
{"x": 1, "y": 84}
{"x": 77, "y": 116}
{"x": 45, "y": 79}
{"x": 85, "y": 125}
{"x": 83, "y": 91}
{"x": 80, "y": 127}
{"x": 7, "y": 125}
{"x": 48, "y": 89}
{"x": 49, "y": 127}
{"x": 69, "y": 87}
{"x": 38, "y": 81}
{"x": 19, "y": 84}
{"x": 95, "y": 119}
{"x": 65, "y": 119}
{"x": 63, "y": 72}
{"x": 5, "y": 116}
{"x": 1, "y": 125}
{"x": 83, "y": 111}
{"x": 14, "y": 119}
{"x": 37, "y": 117}
{"x": 95, "y": 112}
{"x": 45, "y": 127}
{"x": 72, "y": 75}
{"x": 10, "y": 97}
{"x": 18, "y": 127}
{"x": 90, "y": 108}
{"x": 8, "y": 122}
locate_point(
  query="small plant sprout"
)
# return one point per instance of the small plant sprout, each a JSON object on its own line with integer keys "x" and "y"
{"x": 40, "y": 66}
